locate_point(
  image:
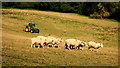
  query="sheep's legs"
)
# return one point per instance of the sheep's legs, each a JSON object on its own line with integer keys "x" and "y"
{"x": 56, "y": 46}
{"x": 71, "y": 47}
{"x": 89, "y": 48}
{"x": 77, "y": 47}
{"x": 42, "y": 46}
{"x": 66, "y": 46}
{"x": 81, "y": 48}
{"x": 32, "y": 45}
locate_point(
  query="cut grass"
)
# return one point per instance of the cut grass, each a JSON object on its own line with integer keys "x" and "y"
{"x": 16, "y": 43}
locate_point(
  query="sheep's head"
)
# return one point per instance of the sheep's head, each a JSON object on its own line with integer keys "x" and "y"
{"x": 53, "y": 42}
{"x": 81, "y": 44}
{"x": 60, "y": 40}
{"x": 84, "y": 44}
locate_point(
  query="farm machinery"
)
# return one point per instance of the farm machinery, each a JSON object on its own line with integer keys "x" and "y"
{"x": 31, "y": 28}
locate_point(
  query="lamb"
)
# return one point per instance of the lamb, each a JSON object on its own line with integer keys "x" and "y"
{"x": 74, "y": 43}
{"x": 94, "y": 45}
{"x": 38, "y": 41}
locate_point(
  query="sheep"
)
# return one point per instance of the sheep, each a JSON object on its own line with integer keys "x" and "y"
{"x": 38, "y": 41}
{"x": 69, "y": 43}
{"x": 94, "y": 45}
{"x": 55, "y": 41}
{"x": 43, "y": 38}
{"x": 49, "y": 41}
{"x": 81, "y": 45}
{"x": 74, "y": 43}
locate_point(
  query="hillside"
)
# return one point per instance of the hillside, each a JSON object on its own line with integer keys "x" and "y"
{"x": 16, "y": 50}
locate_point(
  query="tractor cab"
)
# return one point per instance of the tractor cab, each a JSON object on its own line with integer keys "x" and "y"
{"x": 32, "y": 24}
{"x": 31, "y": 28}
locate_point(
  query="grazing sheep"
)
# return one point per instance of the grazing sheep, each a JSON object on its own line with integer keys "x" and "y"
{"x": 37, "y": 42}
{"x": 43, "y": 38}
{"x": 81, "y": 45}
{"x": 49, "y": 42}
{"x": 74, "y": 43}
{"x": 55, "y": 41}
{"x": 94, "y": 45}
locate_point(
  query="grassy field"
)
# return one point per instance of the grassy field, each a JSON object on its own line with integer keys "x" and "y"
{"x": 16, "y": 50}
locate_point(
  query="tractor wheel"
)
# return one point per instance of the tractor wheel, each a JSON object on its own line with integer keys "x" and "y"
{"x": 38, "y": 31}
{"x": 32, "y": 31}
{"x": 26, "y": 30}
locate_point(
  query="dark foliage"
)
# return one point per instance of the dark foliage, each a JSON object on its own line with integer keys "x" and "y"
{"x": 94, "y": 10}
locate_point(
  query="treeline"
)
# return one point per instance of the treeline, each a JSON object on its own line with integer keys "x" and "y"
{"x": 94, "y": 10}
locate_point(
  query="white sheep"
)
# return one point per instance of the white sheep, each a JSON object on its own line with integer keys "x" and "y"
{"x": 43, "y": 38}
{"x": 94, "y": 45}
{"x": 38, "y": 42}
{"x": 55, "y": 41}
{"x": 82, "y": 44}
{"x": 74, "y": 43}
{"x": 49, "y": 41}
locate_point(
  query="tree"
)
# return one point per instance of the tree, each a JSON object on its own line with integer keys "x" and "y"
{"x": 101, "y": 13}
{"x": 95, "y": 10}
{"x": 65, "y": 7}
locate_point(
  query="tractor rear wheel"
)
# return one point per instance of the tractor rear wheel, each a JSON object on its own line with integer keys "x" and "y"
{"x": 26, "y": 30}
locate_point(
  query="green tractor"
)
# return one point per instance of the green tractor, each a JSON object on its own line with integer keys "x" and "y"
{"x": 31, "y": 28}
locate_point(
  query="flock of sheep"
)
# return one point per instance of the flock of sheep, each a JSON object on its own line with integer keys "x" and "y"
{"x": 42, "y": 41}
